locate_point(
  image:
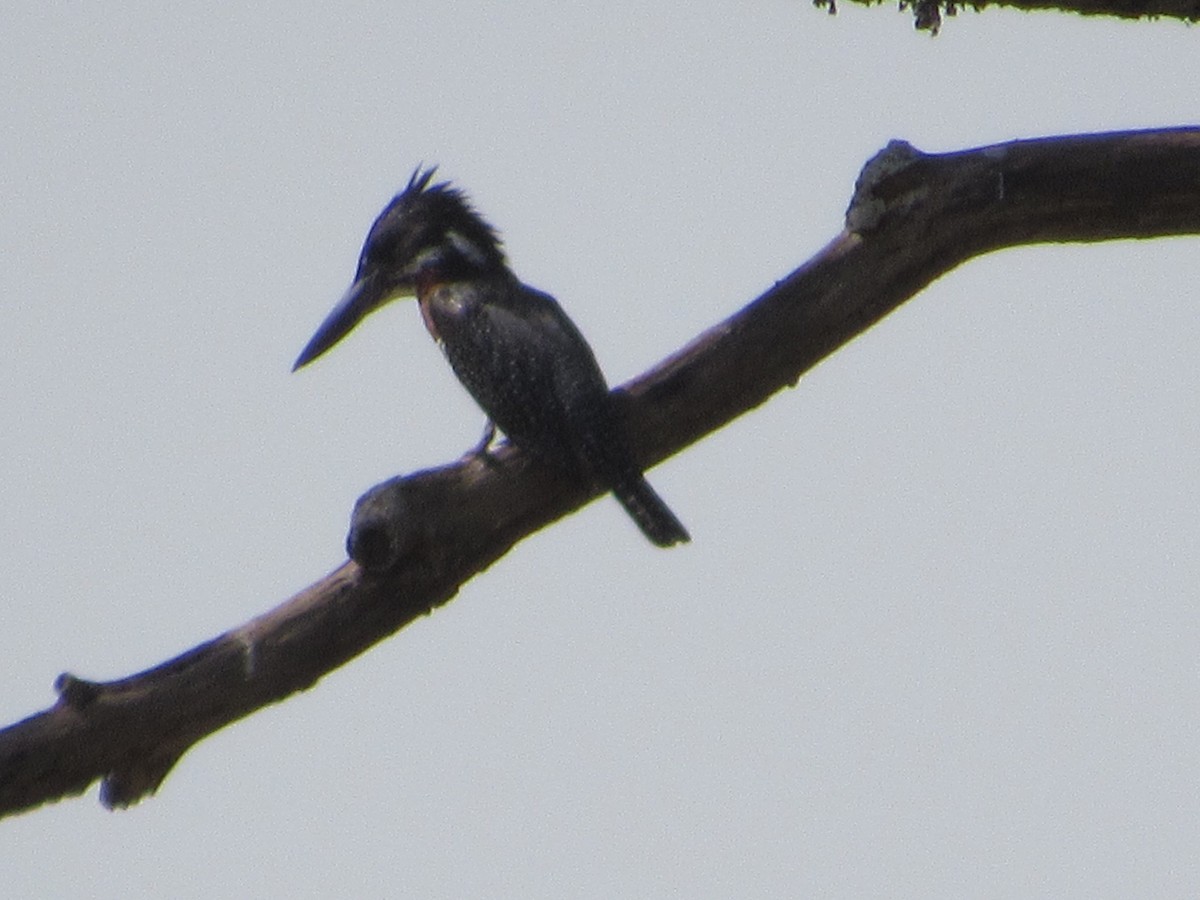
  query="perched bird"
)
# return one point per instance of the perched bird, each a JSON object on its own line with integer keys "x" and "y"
{"x": 512, "y": 346}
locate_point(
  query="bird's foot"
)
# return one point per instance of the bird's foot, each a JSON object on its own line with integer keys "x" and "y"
{"x": 482, "y": 450}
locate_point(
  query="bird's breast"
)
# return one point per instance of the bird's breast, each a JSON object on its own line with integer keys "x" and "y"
{"x": 443, "y": 307}
{"x": 427, "y": 318}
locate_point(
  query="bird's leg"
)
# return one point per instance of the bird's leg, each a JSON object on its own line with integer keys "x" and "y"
{"x": 485, "y": 441}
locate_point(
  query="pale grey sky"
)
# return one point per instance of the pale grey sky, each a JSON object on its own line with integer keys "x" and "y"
{"x": 937, "y": 632}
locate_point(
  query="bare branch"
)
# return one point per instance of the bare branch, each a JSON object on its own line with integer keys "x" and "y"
{"x": 928, "y": 14}
{"x": 415, "y": 540}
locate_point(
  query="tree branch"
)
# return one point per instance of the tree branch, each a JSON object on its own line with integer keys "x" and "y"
{"x": 928, "y": 14}
{"x": 414, "y": 540}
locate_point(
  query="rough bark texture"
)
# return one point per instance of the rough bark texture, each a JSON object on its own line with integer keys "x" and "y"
{"x": 414, "y": 540}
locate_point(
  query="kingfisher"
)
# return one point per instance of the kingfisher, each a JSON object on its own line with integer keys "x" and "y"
{"x": 512, "y": 346}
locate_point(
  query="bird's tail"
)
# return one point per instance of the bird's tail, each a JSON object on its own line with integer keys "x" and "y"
{"x": 649, "y": 511}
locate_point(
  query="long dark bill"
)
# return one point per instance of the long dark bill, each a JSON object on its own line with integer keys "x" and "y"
{"x": 364, "y": 296}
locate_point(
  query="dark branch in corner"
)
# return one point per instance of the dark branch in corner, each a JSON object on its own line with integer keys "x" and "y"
{"x": 415, "y": 540}
{"x": 928, "y": 14}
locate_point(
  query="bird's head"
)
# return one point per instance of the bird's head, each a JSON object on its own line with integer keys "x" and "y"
{"x": 428, "y": 234}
